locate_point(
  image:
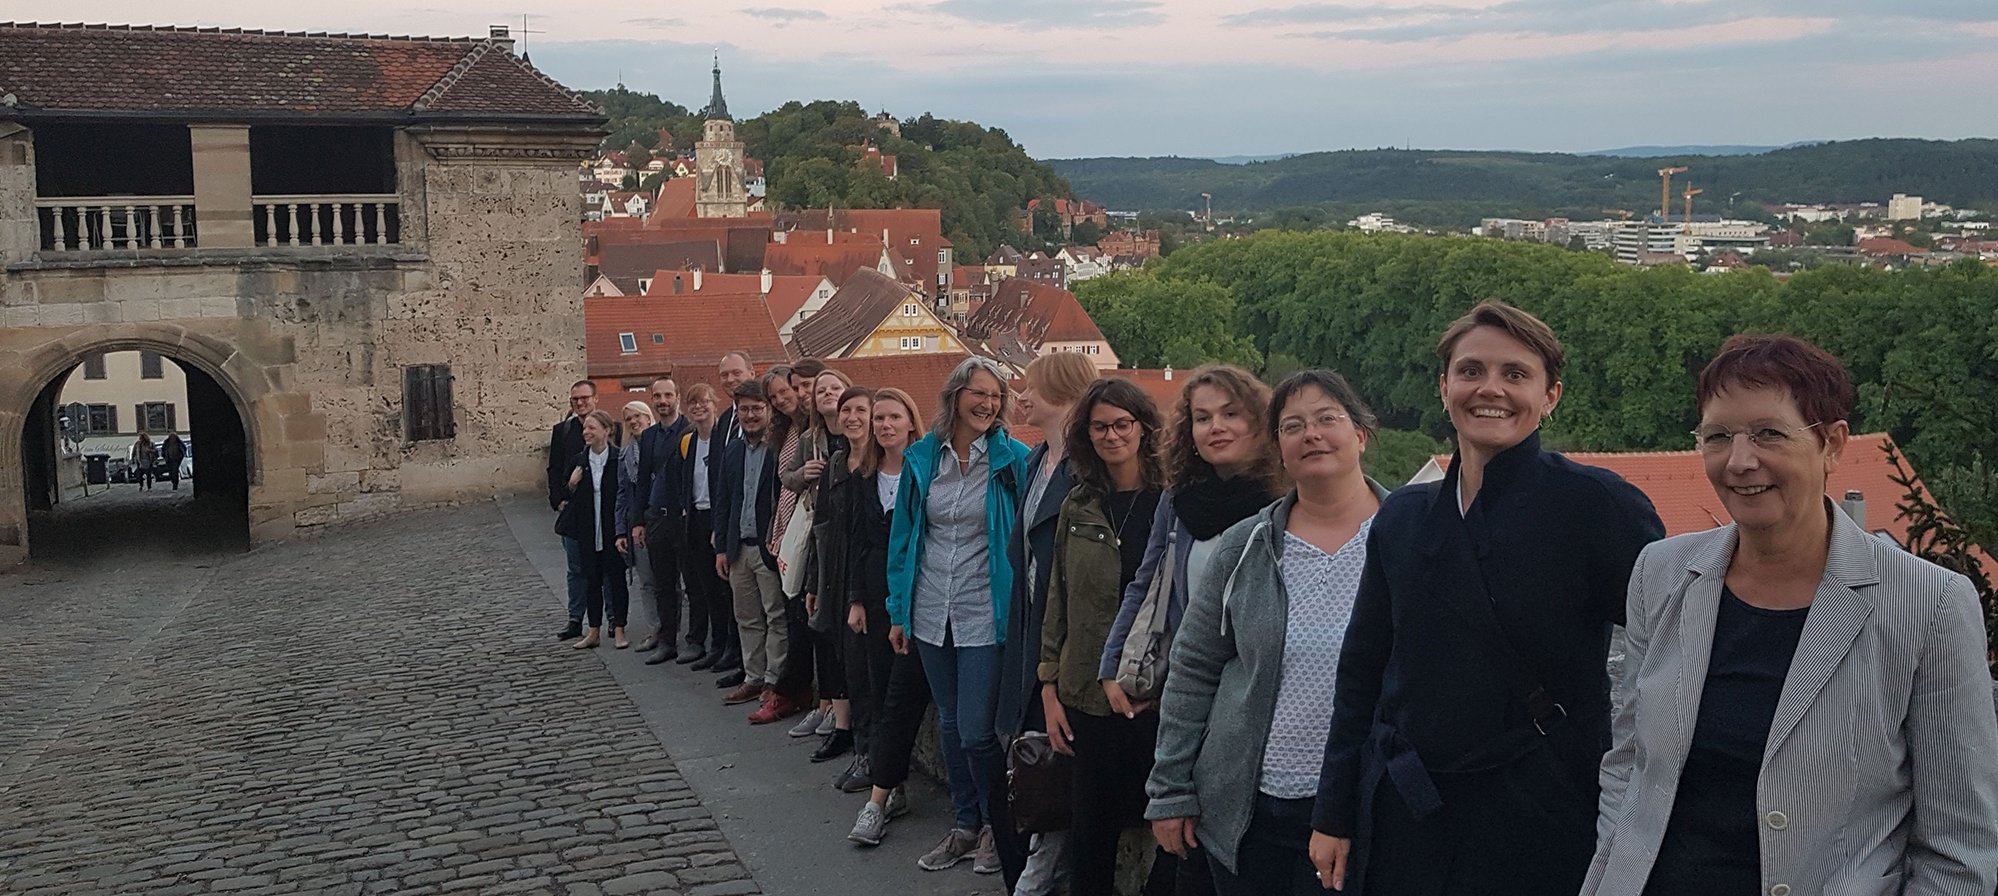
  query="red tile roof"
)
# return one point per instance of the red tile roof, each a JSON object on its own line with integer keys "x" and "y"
{"x": 788, "y": 294}
{"x": 851, "y": 315}
{"x": 676, "y": 199}
{"x": 1034, "y": 313}
{"x": 677, "y": 330}
{"x": 914, "y": 235}
{"x": 808, "y": 253}
{"x": 178, "y": 72}
{"x": 1884, "y": 245}
{"x": 1162, "y": 385}
{"x": 921, "y": 374}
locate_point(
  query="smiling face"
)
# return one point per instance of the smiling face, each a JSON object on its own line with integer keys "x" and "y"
{"x": 893, "y": 424}
{"x": 1777, "y": 484}
{"x": 855, "y": 417}
{"x": 1115, "y": 434}
{"x": 753, "y": 415}
{"x": 702, "y": 412}
{"x": 825, "y": 394}
{"x": 1497, "y": 391}
{"x": 665, "y": 400}
{"x": 979, "y": 403}
{"x": 635, "y": 423}
{"x": 1317, "y": 438}
{"x": 582, "y": 399}
{"x": 733, "y": 372}
{"x": 783, "y": 398}
{"x": 595, "y": 434}
{"x": 1223, "y": 434}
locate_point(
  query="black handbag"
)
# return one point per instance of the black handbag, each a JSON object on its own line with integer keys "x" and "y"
{"x": 1037, "y": 784}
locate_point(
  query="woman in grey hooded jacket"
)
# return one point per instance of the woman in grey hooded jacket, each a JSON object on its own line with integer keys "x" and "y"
{"x": 1254, "y": 657}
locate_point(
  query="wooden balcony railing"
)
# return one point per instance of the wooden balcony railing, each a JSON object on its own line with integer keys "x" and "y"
{"x": 367, "y": 219}
{"x": 96, "y": 223}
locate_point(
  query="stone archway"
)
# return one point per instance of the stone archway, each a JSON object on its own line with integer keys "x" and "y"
{"x": 225, "y": 395}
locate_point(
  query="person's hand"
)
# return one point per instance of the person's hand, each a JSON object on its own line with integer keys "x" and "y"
{"x": 624, "y": 545}
{"x": 721, "y": 565}
{"x": 1328, "y": 855}
{"x": 811, "y": 604}
{"x": 898, "y": 639}
{"x": 1060, "y": 736}
{"x": 562, "y": 506}
{"x": 638, "y": 535}
{"x": 856, "y": 618}
{"x": 812, "y": 469}
{"x": 1175, "y": 835}
{"x": 1122, "y": 704}
{"x": 575, "y": 477}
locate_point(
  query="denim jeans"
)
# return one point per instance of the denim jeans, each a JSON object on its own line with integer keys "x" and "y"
{"x": 965, "y": 683}
{"x": 1274, "y": 857}
{"x": 578, "y": 584}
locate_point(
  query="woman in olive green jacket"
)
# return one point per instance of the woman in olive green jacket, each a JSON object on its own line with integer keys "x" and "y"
{"x": 1113, "y": 443}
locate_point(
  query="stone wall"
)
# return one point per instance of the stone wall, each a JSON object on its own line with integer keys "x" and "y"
{"x": 310, "y": 342}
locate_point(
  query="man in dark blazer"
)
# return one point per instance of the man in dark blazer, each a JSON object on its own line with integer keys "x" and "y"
{"x": 745, "y": 502}
{"x": 735, "y": 370}
{"x": 655, "y": 542}
{"x": 565, "y": 441}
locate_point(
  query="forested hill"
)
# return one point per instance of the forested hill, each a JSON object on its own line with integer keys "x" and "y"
{"x": 1963, "y": 173}
{"x": 813, "y": 156}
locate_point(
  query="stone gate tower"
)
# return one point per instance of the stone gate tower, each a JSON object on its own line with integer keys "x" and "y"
{"x": 721, "y": 191}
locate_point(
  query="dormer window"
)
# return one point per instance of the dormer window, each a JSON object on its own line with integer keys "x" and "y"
{"x": 627, "y": 343}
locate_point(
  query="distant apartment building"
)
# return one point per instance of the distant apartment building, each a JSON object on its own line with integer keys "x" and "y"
{"x": 1375, "y": 222}
{"x": 1904, "y": 207}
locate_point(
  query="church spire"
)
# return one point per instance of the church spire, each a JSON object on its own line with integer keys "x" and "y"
{"x": 717, "y": 109}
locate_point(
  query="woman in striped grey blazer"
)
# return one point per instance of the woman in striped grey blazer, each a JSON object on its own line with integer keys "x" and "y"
{"x": 1809, "y": 707}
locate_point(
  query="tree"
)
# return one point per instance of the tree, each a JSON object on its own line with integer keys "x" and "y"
{"x": 630, "y": 182}
{"x": 1935, "y": 537}
{"x": 1154, "y": 323}
{"x": 650, "y": 185}
{"x": 1394, "y": 455}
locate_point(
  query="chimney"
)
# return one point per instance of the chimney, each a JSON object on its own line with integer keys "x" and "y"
{"x": 1854, "y": 506}
{"x": 697, "y": 279}
{"x": 1168, "y": 373}
{"x": 500, "y": 35}
{"x": 679, "y": 284}
{"x": 765, "y": 285}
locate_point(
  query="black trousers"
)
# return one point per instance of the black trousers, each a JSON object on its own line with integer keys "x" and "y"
{"x": 604, "y": 587}
{"x": 664, "y": 546}
{"x": 1274, "y": 858}
{"x": 795, "y": 681}
{"x": 710, "y": 604}
{"x": 1113, "y": 756}
{"x": 904, "y": 702}
{"x": 868, "y": 663}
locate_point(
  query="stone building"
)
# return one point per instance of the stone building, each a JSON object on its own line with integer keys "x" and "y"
{"x": 361, "y": 250}
{"x": 723, "y": 191}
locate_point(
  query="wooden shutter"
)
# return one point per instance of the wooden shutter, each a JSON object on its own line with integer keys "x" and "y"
{"x": 426, "y": 395}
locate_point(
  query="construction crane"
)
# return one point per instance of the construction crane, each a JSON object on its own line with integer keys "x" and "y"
{"x": 1691, "y": 191}
{"x": 1665, "y": 191}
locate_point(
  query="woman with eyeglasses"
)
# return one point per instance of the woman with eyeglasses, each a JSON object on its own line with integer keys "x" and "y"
{"x": 948, "y": 588}
{"x": 1472, "y": 703}
{"x": 1810, "y": 707}
{"x": 1243, "y": 719}
{"x": 1113, "y": 447}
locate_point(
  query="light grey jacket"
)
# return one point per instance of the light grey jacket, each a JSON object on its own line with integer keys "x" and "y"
{"x": 1881, "y": 772}
{"x": 1220, "y": 695}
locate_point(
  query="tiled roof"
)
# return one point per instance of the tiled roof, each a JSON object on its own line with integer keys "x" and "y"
{"x": 628, "y": 261}
{"x": 1033, "y": 313}
{"x": 788, "y": 294}
{"x": 913, "y": 235}
{"x": 921, "y": 374}
{"x": 809, "y": 253}
{"x": 1162, "y": 385}
{"x": 1884, "y": 245}
{"x": 676, "y": 198}
{"x": 184, "y": 71}
{"x": 1676, "y": 482}
{"x": 672, "y": 331}
{"x": 854, "y": 312}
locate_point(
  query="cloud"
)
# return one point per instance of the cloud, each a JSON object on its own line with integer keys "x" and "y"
{"x": 1330, "y": 13}
{"x": 655, "y": 22}
{"x": 1049, "y": 14}
{"x": 786, "y": 14}
{"x": 1429, "y": 22}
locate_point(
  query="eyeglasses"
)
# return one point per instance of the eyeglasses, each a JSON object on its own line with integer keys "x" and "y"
{"x": 1122, "y": 427}
{"x": 982, "y": 395}
{"x": 1292, "y": 427}
{"x": 1719, "y": 440}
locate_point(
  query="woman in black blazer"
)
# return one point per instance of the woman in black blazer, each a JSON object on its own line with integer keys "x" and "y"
{"x": 590, "y": 517}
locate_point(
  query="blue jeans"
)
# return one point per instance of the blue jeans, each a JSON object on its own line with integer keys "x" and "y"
{"x": 964, "y": 681}
{"x": 578, "y": 583}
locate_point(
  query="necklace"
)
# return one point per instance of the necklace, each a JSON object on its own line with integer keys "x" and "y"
{"x": 1110, "y": 508}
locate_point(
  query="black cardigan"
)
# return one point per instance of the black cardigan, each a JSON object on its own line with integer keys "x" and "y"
{"x": 574, "y": 521}
{"x": 1418, "y": 690}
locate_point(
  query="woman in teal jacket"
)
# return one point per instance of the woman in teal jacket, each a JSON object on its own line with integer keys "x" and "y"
{"x": 948, "y": 588}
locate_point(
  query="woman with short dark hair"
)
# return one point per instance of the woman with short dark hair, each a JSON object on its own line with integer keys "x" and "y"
{"x": 1809, "y": 706}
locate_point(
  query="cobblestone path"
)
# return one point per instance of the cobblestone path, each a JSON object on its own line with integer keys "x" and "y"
{"x": 381, "y": 709}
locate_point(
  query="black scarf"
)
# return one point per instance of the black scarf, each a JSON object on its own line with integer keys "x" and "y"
{"x": 1208, "y": 507}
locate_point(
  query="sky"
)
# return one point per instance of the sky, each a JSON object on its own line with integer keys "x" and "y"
{"x": 1071, "y": 78}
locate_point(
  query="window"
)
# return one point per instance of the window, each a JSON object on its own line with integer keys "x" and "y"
{"x": 658, "y": 339}
{"x": 627, "y": 343}
{"x": 644, "y": 286}
{"x": 100, "y": 420}
{"x": 426, "y": 402}
{"x": 93, "y": 366}
{"x": 156, "y": 416}
{"x": 915, "y": 241}
{"x": 909, "y": 309}
{"x": 943, "y": 256}
{"x": 150, "y": 367}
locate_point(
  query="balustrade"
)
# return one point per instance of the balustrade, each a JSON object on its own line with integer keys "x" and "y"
{"x": 365, "y": 219}
{"x": 96, "y": 223}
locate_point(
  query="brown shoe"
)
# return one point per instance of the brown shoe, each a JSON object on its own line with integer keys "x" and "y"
{"x": 744, "y": 693}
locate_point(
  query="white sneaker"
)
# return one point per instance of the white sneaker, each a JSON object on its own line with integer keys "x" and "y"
{"x": 809, "y": 725}
{"x": 870, "y": 826}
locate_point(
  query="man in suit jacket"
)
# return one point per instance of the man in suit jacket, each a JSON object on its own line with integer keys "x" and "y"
{"x": 655, "y": 549}
{"x": 745, "y": 502}
{"x": 565, "y": 441}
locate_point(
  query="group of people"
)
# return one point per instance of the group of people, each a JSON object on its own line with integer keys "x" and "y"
{"x": 1400, "y": 693}
{"x": 151, "y": 461}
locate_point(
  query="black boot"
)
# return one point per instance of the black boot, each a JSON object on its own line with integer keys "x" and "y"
{"x": 836, "y": 744}
{"x": 575, "y": 630}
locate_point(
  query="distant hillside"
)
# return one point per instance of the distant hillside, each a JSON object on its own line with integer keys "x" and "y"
{"x": 1647, "y": 152}
{"x": 1962, "y": 173}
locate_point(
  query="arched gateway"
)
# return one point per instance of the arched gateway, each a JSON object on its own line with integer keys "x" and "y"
{"x": 370, "y": 271}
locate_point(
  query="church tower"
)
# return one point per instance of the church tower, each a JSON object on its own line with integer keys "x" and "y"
{"x": 721, "y": 191}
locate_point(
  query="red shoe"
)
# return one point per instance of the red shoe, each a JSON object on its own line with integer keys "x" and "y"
{"x": 773, "y": 709}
